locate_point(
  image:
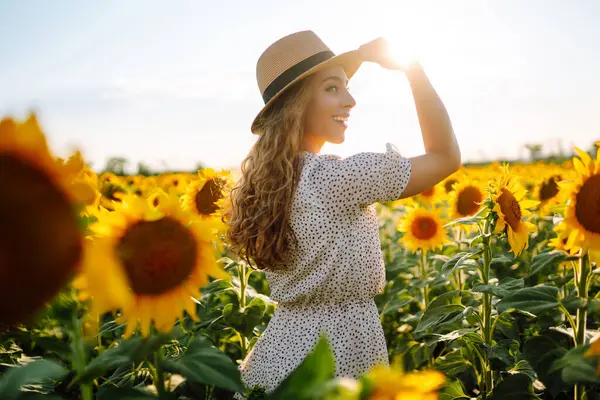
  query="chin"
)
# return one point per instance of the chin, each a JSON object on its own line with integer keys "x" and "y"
{"x": 337, "y": 140}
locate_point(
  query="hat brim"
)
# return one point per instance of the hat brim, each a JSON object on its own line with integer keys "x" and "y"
{"x": 350, "y": 61}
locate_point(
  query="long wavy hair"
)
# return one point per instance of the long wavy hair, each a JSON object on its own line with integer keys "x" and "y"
{"x": 258, "y": 214}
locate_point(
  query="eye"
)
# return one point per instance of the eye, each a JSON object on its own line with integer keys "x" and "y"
{"x": 332, "y": 89}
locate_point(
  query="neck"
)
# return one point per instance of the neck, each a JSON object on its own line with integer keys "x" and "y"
{"x": 312, "y": 144}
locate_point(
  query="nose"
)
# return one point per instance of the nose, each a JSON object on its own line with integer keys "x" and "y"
{"x": 349, "y": 101}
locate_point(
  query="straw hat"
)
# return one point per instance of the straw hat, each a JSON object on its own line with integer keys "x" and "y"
{"x": 292, "y": 58}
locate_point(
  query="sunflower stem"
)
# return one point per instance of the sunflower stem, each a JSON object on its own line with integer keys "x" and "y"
{"x": 458, "y": 272}
{"x": 79, "y": 356}
{"x": 486, "y": 309}
{"x": 582, "y": 284}
{"x": 423, "y": 276}
{"x": 159, "y": 379}
{"x": 243, "y": 275}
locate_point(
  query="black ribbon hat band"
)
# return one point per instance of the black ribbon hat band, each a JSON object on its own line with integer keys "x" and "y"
{"x": 293, "y": 72}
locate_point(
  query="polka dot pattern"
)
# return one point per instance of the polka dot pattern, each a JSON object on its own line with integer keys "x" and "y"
{"x": 332, "y": 278}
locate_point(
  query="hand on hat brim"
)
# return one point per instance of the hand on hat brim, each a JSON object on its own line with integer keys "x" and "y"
{"x": 378, "y": 51}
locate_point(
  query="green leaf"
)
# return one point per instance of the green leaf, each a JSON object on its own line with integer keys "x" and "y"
{"x": 572, "y": 303}
{"x": 551, "y": 258}
{"x": 541, "y": 352}
{"x": 472, "y": 220}
{"x": 441, "y": 317}
{"x": 125, "y": 353}
{"x": 506, "y": 286}
{"x": 394, "y": 304}
{"x": 124, "y": 393}
{"x": 575, "y": 368}
{"x": 507, "y": 325}
{"x": 503, "y": 353}
{"x": 245, "y": 320}
{"x": 217, "y": 286}
{"x": 453, "y": 391}
{"x": 203, "y": 363}
{"x": 445, "y": 311}
{"x": 523, "y": 367}
{"x": 39, "y": 396}
{"x": 531, "y": 299}
{"x": 461, "y": 260}
{"x": 502, "y": 259}
{"x": 309, "y": 378}
{"x": 32, "y": 373}
{"x": 514, "y": 387}
{"x": 452, "y": 364}
{"x": 451, "y": 336}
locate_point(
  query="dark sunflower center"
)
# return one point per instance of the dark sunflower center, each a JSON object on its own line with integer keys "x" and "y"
{"x": 448, "y": 185}
{"x": 468, "y": 198}
{"x": 424, "y": 228}
{"x": 428, "y": 192}
{"x": 510, "y": 208}
{"x": 206, "y": 198}
{"x": 110, "y": 190}
{"x": 548, "y": 189}
{"x": 157, "y": 255}
{"x": 587, "y": 208}
{"x": 40, "y": 236}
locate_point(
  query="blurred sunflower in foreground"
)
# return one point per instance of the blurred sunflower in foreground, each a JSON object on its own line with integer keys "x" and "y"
{"x": 148, "y": 262}
{"x": 38, "y": 211}
{"x": 507, "y": 200}
{"x": 392, "y": 384}
{"x": 423, "y": 229}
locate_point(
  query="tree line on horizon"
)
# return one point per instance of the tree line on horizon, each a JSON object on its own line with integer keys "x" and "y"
{"x": 118, "y": 165}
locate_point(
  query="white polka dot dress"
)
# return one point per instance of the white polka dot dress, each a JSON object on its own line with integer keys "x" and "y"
{"x": 332, "y": 278}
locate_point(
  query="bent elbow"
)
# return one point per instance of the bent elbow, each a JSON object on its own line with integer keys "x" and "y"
{"x": 454, "y": 162}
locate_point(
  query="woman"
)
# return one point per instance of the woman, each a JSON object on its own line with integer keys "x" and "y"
{"x": 307, "y": 219}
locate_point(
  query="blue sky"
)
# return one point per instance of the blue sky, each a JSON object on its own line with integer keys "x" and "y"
{"x": 173, "y": 83}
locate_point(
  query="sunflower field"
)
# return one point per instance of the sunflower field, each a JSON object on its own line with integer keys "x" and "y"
{"x": 123, "y": 287}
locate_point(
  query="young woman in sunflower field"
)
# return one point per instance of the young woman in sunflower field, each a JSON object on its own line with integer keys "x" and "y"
{"x": 308, "y": 220}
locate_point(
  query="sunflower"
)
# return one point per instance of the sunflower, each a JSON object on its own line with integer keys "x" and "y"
{"x": 174, "y": 182}
{"x": 37, "y": 210}
{"x": 422, "y": 228}
{"x": 206, "y": 195}
{"x": 431, "y": 196}
{"x": 112, "y": 192}
{"x": 550, "y": 194}
{"x": 582, "y": 213}
{"x": 149, "y": 262}
{"x": 594, "y": 352}
{"x": 560, "y": 241}
{"x": 392, "y": 384}
{"x": 465, "y": 199}
{"x": 507, "y": 201}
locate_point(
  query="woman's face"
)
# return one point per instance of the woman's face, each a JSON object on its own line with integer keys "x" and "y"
{"x": 329, "y": 107}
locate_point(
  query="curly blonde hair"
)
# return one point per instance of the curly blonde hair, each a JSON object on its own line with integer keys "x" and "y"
{"x": 259, "y": 208}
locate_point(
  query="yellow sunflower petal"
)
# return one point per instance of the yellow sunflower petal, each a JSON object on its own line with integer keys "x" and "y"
{"x": 579, "y": 166}
{"x": 585, "y": 158}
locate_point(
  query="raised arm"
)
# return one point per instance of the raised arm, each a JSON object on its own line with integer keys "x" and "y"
{"x": 442, "y": 154}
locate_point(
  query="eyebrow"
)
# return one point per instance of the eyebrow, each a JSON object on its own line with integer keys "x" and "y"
{"x": 337, "y": 78}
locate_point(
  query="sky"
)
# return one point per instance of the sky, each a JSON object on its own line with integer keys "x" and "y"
{"x": 173, "y": 84}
